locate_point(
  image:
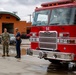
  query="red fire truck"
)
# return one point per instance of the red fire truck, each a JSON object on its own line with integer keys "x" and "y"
{"x": 53, "y": 32}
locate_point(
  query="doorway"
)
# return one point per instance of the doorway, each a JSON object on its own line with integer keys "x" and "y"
{"x": 9, "y": 26}
{"x": 28, "y": 30}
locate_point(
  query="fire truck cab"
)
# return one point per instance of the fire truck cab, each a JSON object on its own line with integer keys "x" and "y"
{"x": 53, "y": 31}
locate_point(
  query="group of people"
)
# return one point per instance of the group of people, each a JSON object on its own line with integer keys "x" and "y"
{"x": 5, "y": 43}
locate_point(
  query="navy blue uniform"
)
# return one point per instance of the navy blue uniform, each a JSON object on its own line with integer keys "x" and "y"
{"x": 18, "y": 42}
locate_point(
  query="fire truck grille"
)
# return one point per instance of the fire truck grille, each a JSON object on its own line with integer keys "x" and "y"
{"x": 48, "y": 40}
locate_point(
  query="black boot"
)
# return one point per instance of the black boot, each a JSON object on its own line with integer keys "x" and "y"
{"x": 3, "y": 55}
{"x": 8, "y": 55}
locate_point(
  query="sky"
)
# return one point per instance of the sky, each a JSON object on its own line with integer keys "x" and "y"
{"x": 22, "y": 7}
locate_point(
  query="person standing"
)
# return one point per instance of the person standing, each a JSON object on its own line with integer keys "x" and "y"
{"x": 18, "y": 43}
{"x": 5, "y": 42}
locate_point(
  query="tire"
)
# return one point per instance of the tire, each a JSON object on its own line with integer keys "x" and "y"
{"x": 71, "y": 66}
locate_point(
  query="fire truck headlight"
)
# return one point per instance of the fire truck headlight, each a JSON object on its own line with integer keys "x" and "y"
{"x": 71, "y": 41}
{"x": 67, "y": 41}
{"x": 64, "y": 34}
{"x": 34, "y": 39}
{"x": 37, "y": 39}
{"x": 31, "y": 39}
{"x": 63, "y": 41}
{"x": 61, "y": 35}
{"x": 34, "y": 34}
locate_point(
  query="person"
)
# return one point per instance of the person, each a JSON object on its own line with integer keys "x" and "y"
{"x": 5, "y": 42}
{"x": 18, "y": 43}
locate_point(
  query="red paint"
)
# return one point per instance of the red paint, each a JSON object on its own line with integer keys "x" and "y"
{"x": 34, "y": 45}
{"x": 58, "y": 1}
{"x": 50, "y": 7}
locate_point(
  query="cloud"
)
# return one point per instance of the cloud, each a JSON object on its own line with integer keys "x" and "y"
{"x": 2, "y": 9}
{"x": 31, "y": 2}
{"x": 24, "y": 2}
{"x": 23, "y": 7}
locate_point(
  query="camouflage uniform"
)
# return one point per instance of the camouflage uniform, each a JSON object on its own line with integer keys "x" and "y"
{"x": 5, "y": 42}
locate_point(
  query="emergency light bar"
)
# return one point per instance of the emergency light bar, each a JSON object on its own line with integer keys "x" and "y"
{"x": 59, "y": 2}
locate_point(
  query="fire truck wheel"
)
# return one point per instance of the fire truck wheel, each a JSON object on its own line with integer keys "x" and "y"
{"x": 71, "y": 66}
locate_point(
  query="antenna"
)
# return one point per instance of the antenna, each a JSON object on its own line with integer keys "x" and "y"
{"x": 15, "y": 12}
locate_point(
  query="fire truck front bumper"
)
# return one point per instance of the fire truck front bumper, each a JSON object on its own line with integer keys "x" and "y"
{"x": 51, "y": 55}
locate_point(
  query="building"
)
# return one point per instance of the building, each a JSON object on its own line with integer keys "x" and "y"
{"x": 11, "y": 21}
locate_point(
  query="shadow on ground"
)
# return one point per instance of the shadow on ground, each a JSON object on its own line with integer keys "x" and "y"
{"x": 53, "y": 69}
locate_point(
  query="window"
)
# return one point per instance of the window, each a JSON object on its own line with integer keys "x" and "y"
{"x": 75, "y": 18}
{"x": 60, "y": 16}
{"x": 7, "y": 17}
{"x": 41, "y": 18}
{"x": 0, "y": 16}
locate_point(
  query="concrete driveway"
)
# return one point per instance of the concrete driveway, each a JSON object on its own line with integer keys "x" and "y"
{"x": 28, "y": 65}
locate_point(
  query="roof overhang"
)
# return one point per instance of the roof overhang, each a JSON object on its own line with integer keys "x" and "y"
{"x": 13, "y": 14}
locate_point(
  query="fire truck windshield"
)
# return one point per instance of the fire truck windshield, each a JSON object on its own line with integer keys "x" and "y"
{"x": 41, "y": 17}
{"x": 60, "y": 16}
{"x": 57, "y": 16}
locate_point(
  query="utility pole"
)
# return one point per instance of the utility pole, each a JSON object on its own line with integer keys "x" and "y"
{"x": 30, "y": 17}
